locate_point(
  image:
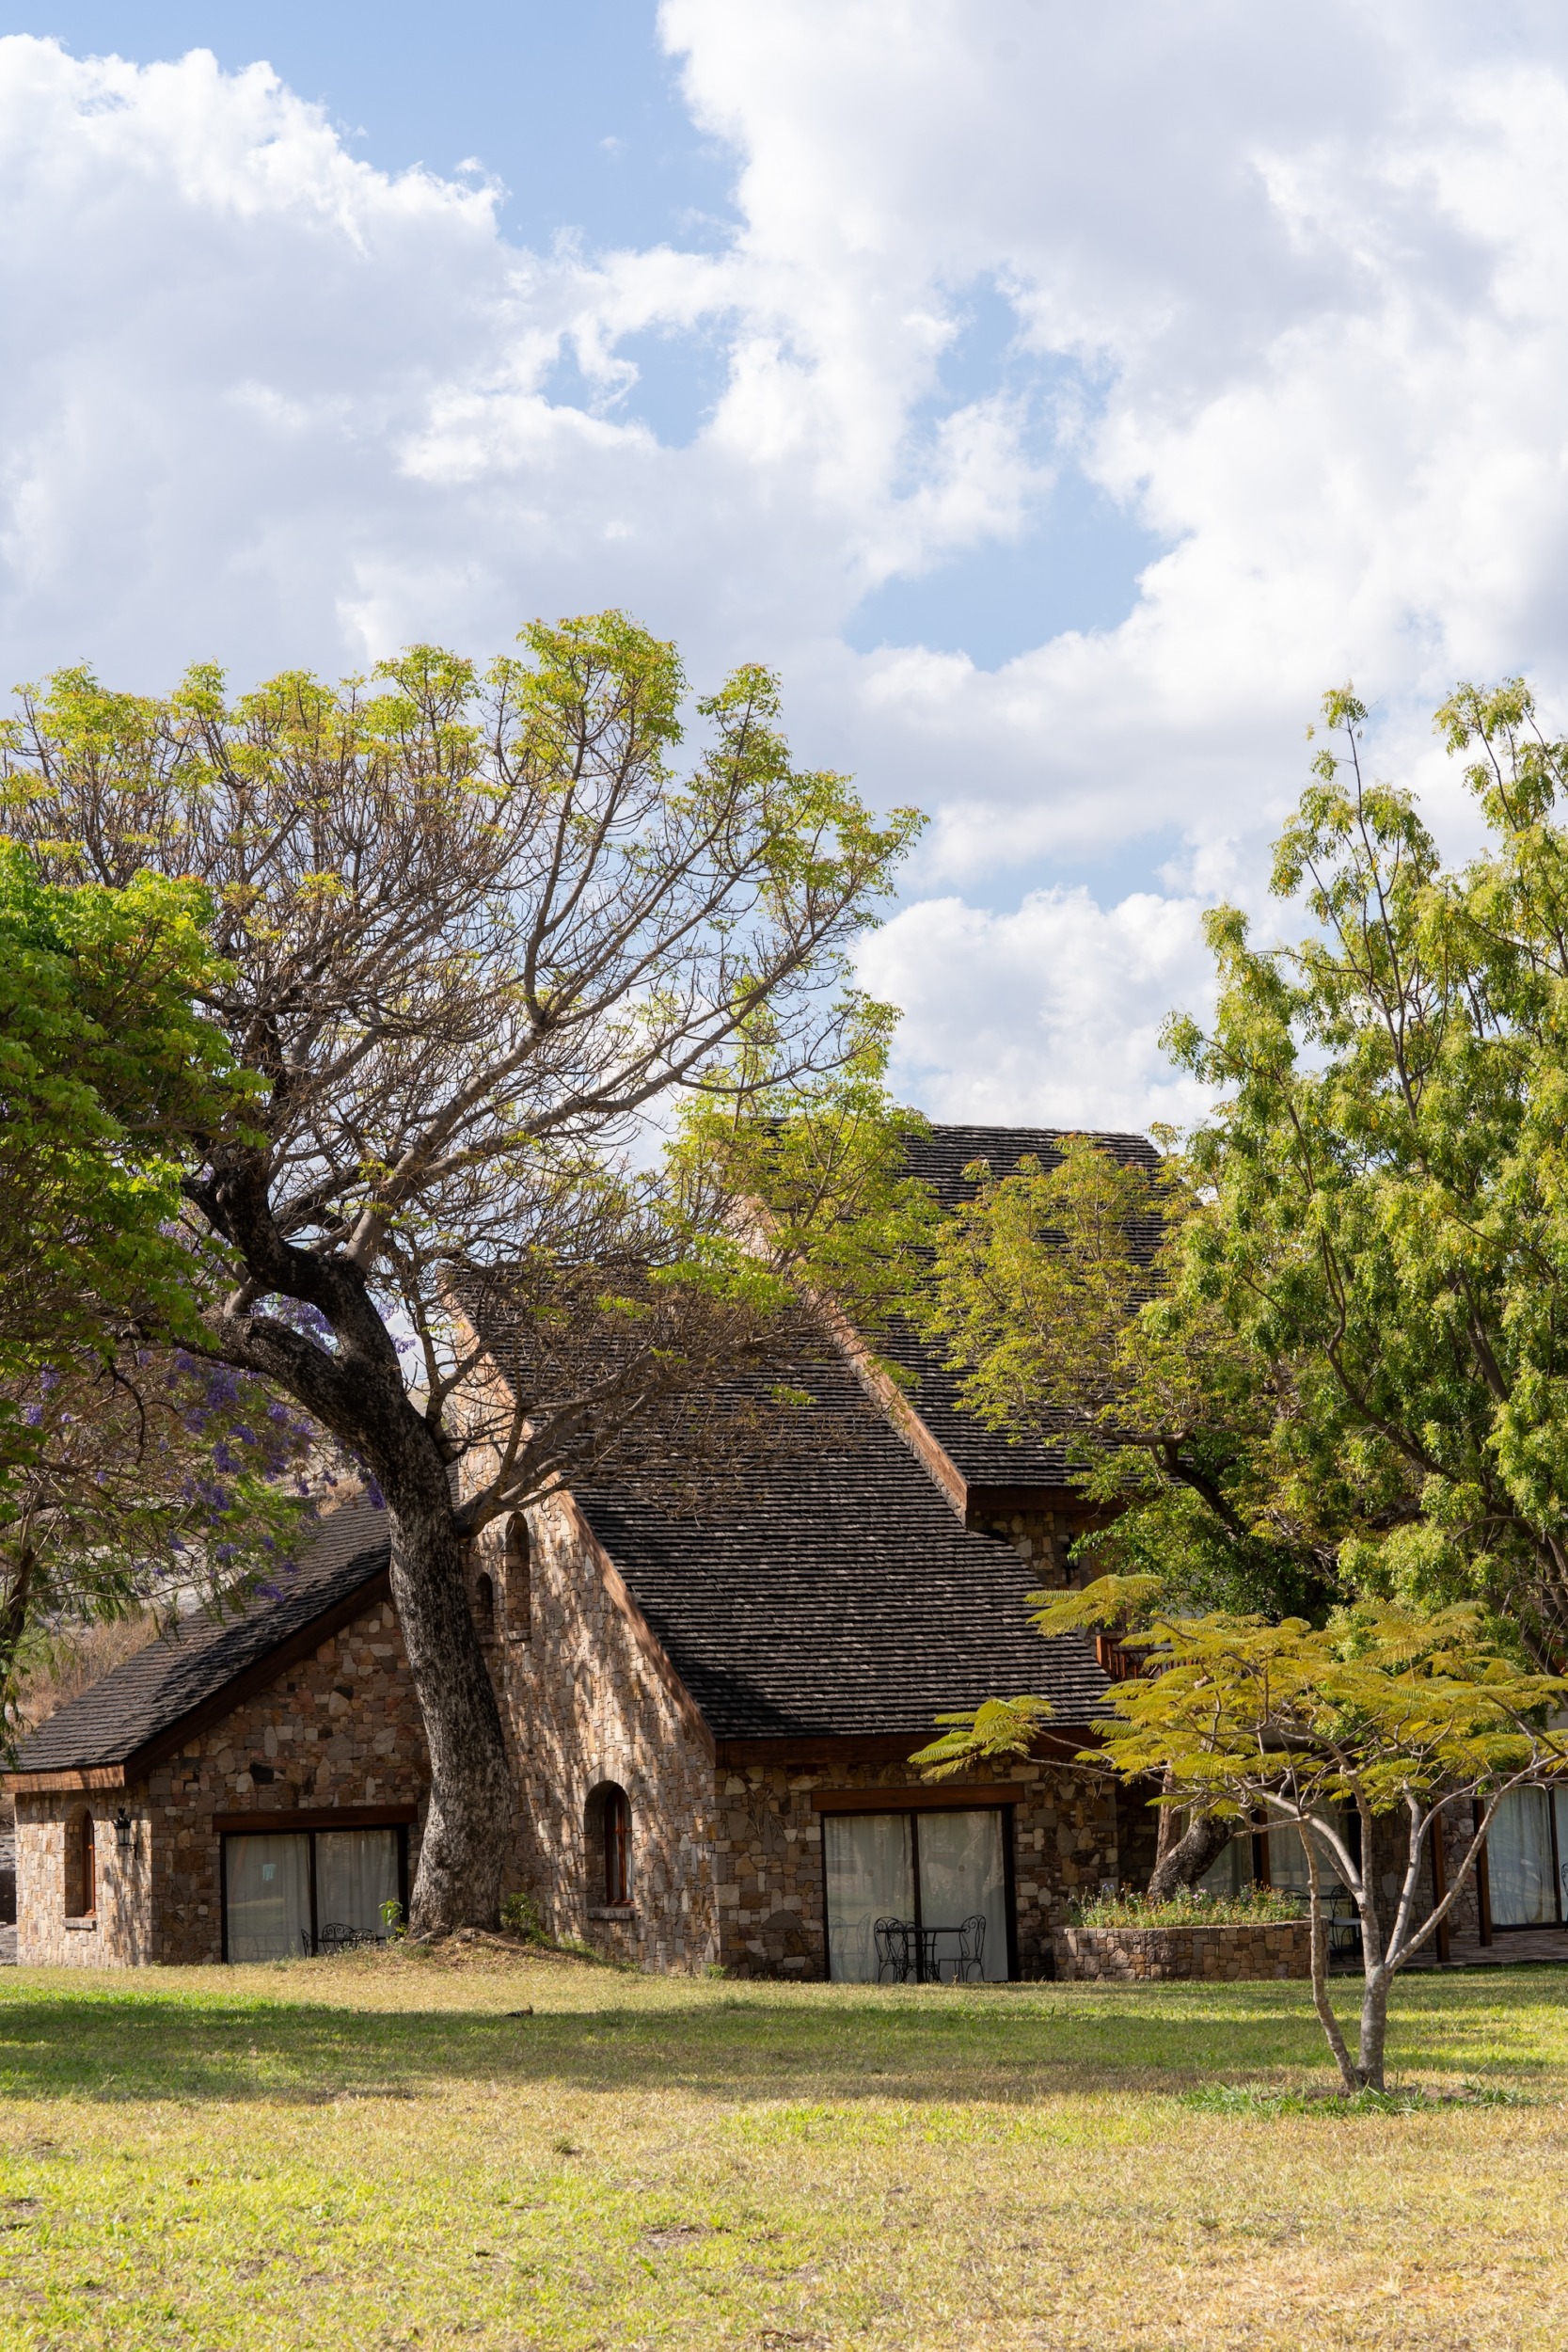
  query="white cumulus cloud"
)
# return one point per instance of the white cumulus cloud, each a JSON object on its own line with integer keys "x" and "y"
{"x": 1288, "y": 289}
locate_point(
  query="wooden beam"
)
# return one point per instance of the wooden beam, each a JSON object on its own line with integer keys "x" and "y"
{"x": 63, "y": 1783}
{"x": 952, "y": 1796}
{"x": 1439, "y": 1883}
{"x": 279, "y": 1821}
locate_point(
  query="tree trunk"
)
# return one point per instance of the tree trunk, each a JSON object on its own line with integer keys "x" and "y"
{"x": 462, "y": 1850}
{"x": 1317, "y": 1929}
{"x": 1185, "y": 1861}
{"x": 356, "y": 1390}
{"x": 1374, "y": 2028}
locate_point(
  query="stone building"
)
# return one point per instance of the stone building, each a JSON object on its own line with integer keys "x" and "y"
{"x": 709, "y": 1716}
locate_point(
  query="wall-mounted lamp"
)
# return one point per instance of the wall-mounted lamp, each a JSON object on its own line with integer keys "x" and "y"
{"x": 125, "y": 1832}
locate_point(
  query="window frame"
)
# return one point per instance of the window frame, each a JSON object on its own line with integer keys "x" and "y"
{"x": 616, "y": 1808}
{"x": 81, "y": 1868}
{"x": 282, "y": 1825}
{"x": 1006, "y": 1807}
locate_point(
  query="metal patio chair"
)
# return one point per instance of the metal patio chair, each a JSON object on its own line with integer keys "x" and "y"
{"x": 893, "y": 1949}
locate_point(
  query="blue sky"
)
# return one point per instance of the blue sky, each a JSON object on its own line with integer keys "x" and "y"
{"x": 1059, "y": 399}
{"x": 577, "y": 110}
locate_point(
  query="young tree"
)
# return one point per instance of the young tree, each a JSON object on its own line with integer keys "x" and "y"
{"x": 1386, "y": 1175}
{"x": 477, "y": 930}
{"x": 1385, "y": 1711}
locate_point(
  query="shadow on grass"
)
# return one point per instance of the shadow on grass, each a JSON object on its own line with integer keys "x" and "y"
{"x": 1018, "y": 2046}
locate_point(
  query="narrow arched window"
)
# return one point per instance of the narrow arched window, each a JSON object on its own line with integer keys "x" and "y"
{"x": 80, "y": 1868}
{"x": 617, "y": 1847}
{"x": 519, "y": 1579}
{"x": 484, "y": 1606}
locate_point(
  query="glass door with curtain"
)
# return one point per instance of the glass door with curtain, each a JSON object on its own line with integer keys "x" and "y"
{"x": 963, "y": 1898}
{"x": 267, "y": 1893}
{"x": 357, "y": 1874}
{"x": 870, "y": 1867}
{"x": 1521, "y": 1863}
{"x": 916, "y": 1897}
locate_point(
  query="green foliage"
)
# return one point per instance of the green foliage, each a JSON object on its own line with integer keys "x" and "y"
{"x": 1385, "y": 1710}
{"x": 808, "y": 1180}
{"x": 130, "y": 1470}
{"x": 1324, "y": 1352}
{"x": 520, "y": 1914}
{"x": 1191, "y": 1907}
{"x": 110, "y": 1078}
{"x": 1067, "y": 1297}
{"x": 1385, "y": 1178}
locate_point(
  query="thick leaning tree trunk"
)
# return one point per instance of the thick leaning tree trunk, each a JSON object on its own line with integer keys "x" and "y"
{"x": 356, "y": 1390}
{"x": 1184, "y": 1863}
{"x": 464, "y": 1846}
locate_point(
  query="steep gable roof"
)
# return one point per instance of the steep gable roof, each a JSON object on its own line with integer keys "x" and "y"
{"x": 148, "y": 1706}
{"x": 826, "y": 1589}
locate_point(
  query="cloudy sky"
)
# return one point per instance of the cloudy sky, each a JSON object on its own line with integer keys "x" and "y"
{"x": 1060, "y": 398}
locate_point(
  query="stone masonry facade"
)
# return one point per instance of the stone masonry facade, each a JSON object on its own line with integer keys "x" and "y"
{"x": 588, "y": 1706}
{"x": 335, "y": 1729}
{"x": 768, "y": 1854}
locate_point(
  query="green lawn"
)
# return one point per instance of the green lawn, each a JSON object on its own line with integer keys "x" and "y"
{"x": 373, "y": 2152}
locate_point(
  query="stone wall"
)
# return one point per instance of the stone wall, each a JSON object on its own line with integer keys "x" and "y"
{"x": 335, "y": 1729}
{"x": 1043, "y": 1537}
{"x": 768, "y": 1854}
{"x": 1158, "y": 1955}
{"x": 585, "y": 1703}
{"x": 338, "y": 1729}
{"x": 117, "y": 1932}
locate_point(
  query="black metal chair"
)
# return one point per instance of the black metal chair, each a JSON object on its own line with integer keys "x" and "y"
{"x": 1343, "y": 1923}
{"x": 970, "y": 1964}
{"x": 336, "y": 1937}
{"x": 893, "y": 1949}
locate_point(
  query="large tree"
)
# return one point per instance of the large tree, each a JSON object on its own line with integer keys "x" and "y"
{"x": 477, "y": 931}
{"x": 1325, "y": 1353}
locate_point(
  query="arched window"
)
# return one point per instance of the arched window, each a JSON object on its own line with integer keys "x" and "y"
{"x": 609, "y": 1826}
{"x": 484, "y": 1606}
{"x": 519, "y": 1580}
{"x": 80, "y": 1868}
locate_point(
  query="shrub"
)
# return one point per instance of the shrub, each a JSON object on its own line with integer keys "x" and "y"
{"x": 1191, "y": 1907}
{"x": 521, "y": 1916}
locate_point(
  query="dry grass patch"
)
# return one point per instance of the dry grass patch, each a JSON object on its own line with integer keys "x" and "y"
{"x": 374, "y": 2153}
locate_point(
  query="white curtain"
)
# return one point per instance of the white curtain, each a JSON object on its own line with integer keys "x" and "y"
{"x": 870, "y": 1876}
{"x": 356, "y": 1872}
{"x": 1288, "y": 1863}
{"x": 961, "y": 1881}
{"x": 268, "y": 1882}
{"x": 1519, "y": 1861}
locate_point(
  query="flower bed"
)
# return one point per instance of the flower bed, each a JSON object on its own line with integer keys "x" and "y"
{"x": 1212, "y": 1952}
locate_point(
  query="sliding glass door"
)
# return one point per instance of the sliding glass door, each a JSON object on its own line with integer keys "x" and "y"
{"x": 1523, "y": 1858}
{"x": 300, "y": 1891}
{"x": 916, "y": 1897}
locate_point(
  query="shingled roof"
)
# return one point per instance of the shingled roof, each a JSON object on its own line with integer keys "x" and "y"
{"x": 148, "y": 1706}
{"x": 983, "y": 1457}
{"x": 837, "y": 1592}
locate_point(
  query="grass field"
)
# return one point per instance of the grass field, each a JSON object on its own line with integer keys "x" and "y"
{"x": 373, "y": 2152}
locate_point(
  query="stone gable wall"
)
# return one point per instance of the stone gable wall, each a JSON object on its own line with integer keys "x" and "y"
{"x": 768, "y": 1857}
{"x": 338, "y": 1728}
{"x": 583, "y": 1706}
{"x": 119, "y": 1935}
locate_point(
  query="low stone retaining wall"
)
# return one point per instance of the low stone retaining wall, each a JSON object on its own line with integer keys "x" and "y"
{"x": 1155, "y": 1955}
